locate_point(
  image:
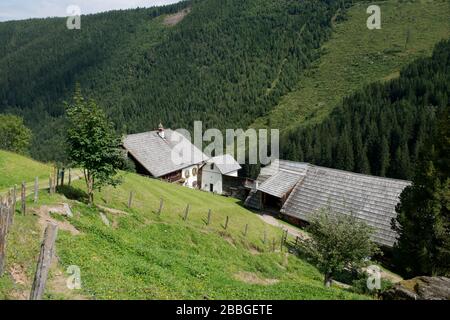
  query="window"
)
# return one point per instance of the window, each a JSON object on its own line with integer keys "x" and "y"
{"x": 194, "y": 172}
{"x": 187, "y": 174}
{"x": 212, "y": 166}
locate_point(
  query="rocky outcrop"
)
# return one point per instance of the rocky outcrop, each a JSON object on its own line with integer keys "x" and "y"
{"x": 420, "y": 288}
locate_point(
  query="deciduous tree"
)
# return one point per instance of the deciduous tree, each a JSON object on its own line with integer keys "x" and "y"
{"x": 14, "y": 135}
{"x": 338, "y": 241}
{"x": 93, "y": 144}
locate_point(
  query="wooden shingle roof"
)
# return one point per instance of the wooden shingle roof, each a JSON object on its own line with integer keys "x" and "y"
{"x": 161, "y": 156}
{"x": 277, "y": 165}
{"x": 371, "y": 199}
{"x": 280, "y": 183}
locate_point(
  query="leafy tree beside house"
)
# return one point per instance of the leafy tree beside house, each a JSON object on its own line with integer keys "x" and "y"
{"x": 338, "y": 242}
{"x": 93, "y": 144}
{"x": 14, "y": 135}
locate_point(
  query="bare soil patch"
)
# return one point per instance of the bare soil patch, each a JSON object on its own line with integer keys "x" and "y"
{"x": 252, "y": 278}
{"x": 45, "y": 217}
{"x": 175, "y": 18}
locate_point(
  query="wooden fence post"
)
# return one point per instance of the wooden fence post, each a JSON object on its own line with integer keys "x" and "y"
{"x": 6, "y": 214}
{"x": 296, "y": 241}
{"x": 23, "y": 198}
{"x": 226, "y": 222}
{"x": 284, "y": 238}
{"x": 62, "y": 176}
{"x": 186, "y": 212}
{"x": 130, "y": 199}
{"x": 209, "y": 217}
{"x": 44, "y": 262}
{"x": 161, "y": 204}
{"x": 36, "y": 190}
{"x": 70, "y": 177}
{"x": 50, "y": 185}
{"x": 14, "y": 198}
{"x": 55, "y": 179}
{"x": 3, "y": 228}
{"x": 246, "y": 230}
{"x": 2, "y": 239}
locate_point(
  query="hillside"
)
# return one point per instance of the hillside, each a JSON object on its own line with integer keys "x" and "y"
{"x": 382, "y": 128}
{"x": 356, "y": 56}
{"x": 141, "y": 255}
{"x": 15, "y": 169}
{"x": 222, "y": 58}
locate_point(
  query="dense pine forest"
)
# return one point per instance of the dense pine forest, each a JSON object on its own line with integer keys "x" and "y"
{"x": 225, "y": 63}
{"x": 380, "y": 129}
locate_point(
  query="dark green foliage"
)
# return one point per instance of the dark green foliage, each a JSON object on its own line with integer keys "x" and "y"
{"x": 14, "y": 135}
{"x": 379, "y": 130}
{"x": 92, "y": 144}
{"x": 226, "y": 63}
{"x": 423, "y": 220}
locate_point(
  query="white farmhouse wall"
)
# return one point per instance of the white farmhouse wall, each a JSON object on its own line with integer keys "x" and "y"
{"x": 191, "y": 180}
{"x": 211, "y": 176}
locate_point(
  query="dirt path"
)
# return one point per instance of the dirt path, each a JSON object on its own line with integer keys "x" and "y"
{"x": 269, "y": 219}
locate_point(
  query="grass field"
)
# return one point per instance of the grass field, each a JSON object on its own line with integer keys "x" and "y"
{"x": 14, "y": 169}
{"x": 355, "y": 56}
{"x": 141, "y": 255}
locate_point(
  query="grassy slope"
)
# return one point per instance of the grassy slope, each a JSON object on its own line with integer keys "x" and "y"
{"x": 14, "y": 169}
{"x": 356, "y": 56}
{"x": 143, "y": 256}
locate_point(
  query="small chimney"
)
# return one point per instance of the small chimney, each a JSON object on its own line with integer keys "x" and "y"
{"x": 161, "y": 131}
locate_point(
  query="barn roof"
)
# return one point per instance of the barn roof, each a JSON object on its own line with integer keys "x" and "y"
{"x": 371, "y": 199}
{"x": 277, "y": 165}
{"x": 161, "y": 156}
{"x": 280, "y": 183}
{"x": 225, "y": 163}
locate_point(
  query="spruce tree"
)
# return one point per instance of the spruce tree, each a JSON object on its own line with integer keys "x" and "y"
{"x": 423, "y": 220}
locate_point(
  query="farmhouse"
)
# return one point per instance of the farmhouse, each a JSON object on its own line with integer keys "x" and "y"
{"x": 298, "y": 190}
{"x": 218, "y": 172}
{"x": 165, "y": 154}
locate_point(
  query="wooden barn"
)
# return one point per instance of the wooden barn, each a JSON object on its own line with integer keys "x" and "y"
{"x": 299, "y": 190}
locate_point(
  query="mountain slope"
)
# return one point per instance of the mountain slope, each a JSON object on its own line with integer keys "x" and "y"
{"x": 356, "y": 56}
{"x": 224, "y": 57}
{"x": 381, "y": 128}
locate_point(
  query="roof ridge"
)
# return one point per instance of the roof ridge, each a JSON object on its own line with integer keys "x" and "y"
{"x": 357, "y": 173}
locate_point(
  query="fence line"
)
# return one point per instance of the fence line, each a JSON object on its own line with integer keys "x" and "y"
{"x": 185, "y": 213}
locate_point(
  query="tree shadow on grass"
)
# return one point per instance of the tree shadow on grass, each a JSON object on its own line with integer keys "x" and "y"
{"x": 73, "y": 193}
